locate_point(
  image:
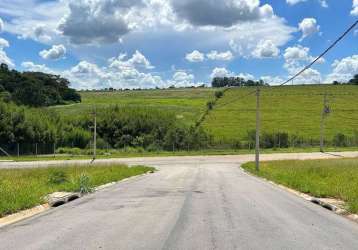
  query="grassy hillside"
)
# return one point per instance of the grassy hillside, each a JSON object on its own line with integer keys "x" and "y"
{"x": 188, "y": 104}
{"x": 293, "y": 109}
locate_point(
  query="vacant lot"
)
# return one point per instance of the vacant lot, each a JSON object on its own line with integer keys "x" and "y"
{"x": 25, "y": 188}
{"x": 320, "y": 178}
{"x": 292, "y": 109}
{"x": 188, "y": 104}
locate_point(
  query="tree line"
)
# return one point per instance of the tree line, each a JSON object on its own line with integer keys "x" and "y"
{"x": 219, "y": 82}
{"x": 35, "y": 89}
{"x": 353, "y": 81}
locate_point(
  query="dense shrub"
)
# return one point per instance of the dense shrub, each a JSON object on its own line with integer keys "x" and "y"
{"x": 35, "y": 88}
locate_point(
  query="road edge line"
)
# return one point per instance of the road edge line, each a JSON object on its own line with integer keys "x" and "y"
{"x": 318, "y": 201}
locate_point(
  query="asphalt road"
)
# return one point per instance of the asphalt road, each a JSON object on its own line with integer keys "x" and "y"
{"x": 189, "y": 204}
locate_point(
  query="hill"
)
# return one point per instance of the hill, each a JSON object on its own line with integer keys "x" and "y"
{"x": 188, "y": 104}
{"x": 295, "y": 110}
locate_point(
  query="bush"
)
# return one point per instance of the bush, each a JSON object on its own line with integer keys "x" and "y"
{"x": 219, "y": 94}
{"x": 340, "y": 140}
{"x": 57, "y": 177}
{"x": 210, "y": 105}
{"x": 85, "y": 186}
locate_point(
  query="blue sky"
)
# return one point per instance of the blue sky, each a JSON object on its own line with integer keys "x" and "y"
{"x": 149, "y": 43}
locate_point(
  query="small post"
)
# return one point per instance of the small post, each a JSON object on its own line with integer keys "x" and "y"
{"x": 54, "y": 150}
{"x": 36, "y": 149}
{"x": 257, "y": 153}
{"x": 18, "y": 150}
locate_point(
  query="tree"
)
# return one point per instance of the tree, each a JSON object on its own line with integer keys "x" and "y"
{"x": 36, "y": 89}
{"x": 354, "y": 80}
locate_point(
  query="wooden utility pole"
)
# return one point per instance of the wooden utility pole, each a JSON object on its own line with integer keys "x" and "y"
{"x": 257, "y": 151}
{"x": 325, "y": 112}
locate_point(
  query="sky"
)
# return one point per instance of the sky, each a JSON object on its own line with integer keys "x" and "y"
{"x": 131, "y": 44}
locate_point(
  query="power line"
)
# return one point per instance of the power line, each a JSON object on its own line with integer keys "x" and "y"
{"x": 321, "y": 55}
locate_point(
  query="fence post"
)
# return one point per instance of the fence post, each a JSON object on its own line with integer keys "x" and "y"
{"x": 54, "y": 150}
{"x": 18, "y": 150}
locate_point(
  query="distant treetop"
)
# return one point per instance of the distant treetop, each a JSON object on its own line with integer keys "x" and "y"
{"x": 219, "y": 82}
{"x": 35, "y": 89}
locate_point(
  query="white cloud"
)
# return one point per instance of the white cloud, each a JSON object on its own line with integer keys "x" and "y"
{"x": 354, "y": 11}
{"x": 343, "y": 70}
{"x": 5, "y": 59}
{"x": 308, "y": 27}
{"x": 1, "y": 25}
{"x": 30, "y": 66}
{"x": 272, "y": 80}
{"x": 220, "y": 56}
{"x": 296, "y": 58}
{"x": 182, "y": 79}
{"x": 138, "y": 60}
{"x": 245, "y": 38}
{"x": 266, "y": 49}
{"x": 55, "y": 53}
{"x": 323, "y": 3}
{"x": 195, "y": 56}
{"x": 3, "y": 43}
{"x": 221, "y": 72}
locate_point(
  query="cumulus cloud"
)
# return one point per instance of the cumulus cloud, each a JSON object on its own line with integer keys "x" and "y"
{"x": 246, "y": 38}
{"x": 308, "y": 27}
{"x": 30, "y": 66}
{"x": 3, "y": 43}
{"x": 97, "y": 21}
{"x": 354, "y": 11}
{"x": 55, "y": 53}
{"x": 5, "y": 59}
{"x": 296, "y": 59}
{"x": 195, "y": 56}
{"x": 182, "y": 79}
{"x": 266, "y": 49}
{"x": 221, "y": 72}
{"x": 138, "y": 60}
{"x": 344, "y": 69}
{"x": 225, "y": 13}
{"x": 220, "y": 56}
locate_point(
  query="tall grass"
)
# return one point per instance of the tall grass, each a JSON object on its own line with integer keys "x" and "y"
{"x": 25, "y": 188}
{"x": 320, "y": 178}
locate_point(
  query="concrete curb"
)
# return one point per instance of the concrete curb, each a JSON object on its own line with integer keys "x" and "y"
{"x": 323, "y": 202}
{"x": 57, "y": 199}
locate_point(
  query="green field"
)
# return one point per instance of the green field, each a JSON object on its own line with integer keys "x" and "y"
{"x": 188, "y": 104}
{"x": 320, "y": 178}
{"x": 293, "y": 109}
{"x": 25, "y": 188}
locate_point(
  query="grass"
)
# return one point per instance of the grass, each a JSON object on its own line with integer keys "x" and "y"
{"x": 188, "y": 104}
{"x": 131, "y": 154}
{"x": 320, "y": 178}
{"x": 25, "y": 188}
{"x": 293, "y": 109}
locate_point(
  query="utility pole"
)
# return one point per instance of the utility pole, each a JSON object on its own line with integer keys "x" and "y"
{"x": 325, "y": 112}
{"x": 95, "y": 133}
{"x": 257, "y": 155}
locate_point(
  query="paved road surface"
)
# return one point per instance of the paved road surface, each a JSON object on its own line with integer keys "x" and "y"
{"x": 189, "y": 204}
